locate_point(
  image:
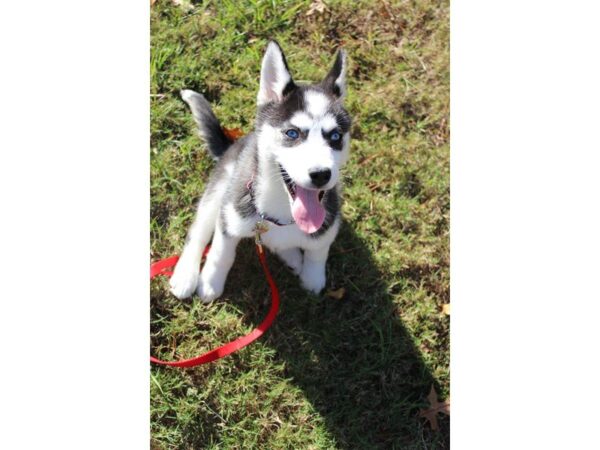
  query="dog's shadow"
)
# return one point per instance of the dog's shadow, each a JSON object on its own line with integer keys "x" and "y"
{"x": 352, "y": 357}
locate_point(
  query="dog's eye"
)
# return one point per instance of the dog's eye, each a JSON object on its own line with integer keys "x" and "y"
{"x": 335, "y": 136}
{"x": 292, "y": 134}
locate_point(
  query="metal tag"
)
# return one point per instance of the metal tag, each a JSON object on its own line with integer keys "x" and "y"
{"x": 261, "y": 227}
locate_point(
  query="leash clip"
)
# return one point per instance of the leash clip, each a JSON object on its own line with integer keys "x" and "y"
{"x": 261, "y": 227}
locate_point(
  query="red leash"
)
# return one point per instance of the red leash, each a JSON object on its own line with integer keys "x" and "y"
{"x": 163, "y": 268}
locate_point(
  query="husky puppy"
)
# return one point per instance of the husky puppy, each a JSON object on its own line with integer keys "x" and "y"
{"x": 284, "y": 177}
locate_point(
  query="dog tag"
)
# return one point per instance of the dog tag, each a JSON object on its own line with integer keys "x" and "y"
{"x": 261, "y": 227}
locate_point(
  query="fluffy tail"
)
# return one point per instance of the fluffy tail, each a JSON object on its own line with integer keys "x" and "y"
{"x": 208, "y": 124}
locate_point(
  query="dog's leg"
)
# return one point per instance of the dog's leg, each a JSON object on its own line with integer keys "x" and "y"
{"x": 313, "y": 269}
{"x": 187, "y": 272}
{"x": 217, "y": 265}
{"x": 292, "y": 257}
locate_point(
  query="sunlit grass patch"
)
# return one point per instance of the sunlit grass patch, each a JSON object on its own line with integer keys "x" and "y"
{"x": 349, "y": 373}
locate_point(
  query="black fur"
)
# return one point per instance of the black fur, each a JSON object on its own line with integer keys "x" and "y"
{"x": 329, "y": 82}
{"x": 276, "y": 113}
{"x": 208, "y": 124}
{"x": 331, "y": 202}
{"x": 341, "y": 117}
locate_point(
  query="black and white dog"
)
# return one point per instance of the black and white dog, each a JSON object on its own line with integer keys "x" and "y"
{"x": 284, "y": 177}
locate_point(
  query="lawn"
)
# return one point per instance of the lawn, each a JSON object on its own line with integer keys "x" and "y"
{"x": 350, "y": 373}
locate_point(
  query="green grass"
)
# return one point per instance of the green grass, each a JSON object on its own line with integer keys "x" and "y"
{"x": 351, "y": 373}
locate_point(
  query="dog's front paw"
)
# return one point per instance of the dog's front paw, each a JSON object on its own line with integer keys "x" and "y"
{"x": 292, "y": 257}
{"x": 313, "y": 278}
{"x": 209, "y": 289}
{"x": 184, "y": 281}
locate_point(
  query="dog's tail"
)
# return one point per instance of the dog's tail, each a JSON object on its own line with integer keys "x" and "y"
{"x": 208, "y": 124}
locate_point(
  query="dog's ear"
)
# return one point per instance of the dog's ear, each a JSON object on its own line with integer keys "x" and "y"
{"x": 335, "y": 81}
{"x": 275, "y": 78}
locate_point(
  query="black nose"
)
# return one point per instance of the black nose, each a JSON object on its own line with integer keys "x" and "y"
{"x": 320, "y": 177}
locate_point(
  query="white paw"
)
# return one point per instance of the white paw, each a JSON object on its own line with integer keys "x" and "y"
{"x": 210, "y": 289}
{"x": 184, "y": 280}
{"x": 313, "y": 278}
{"x": 293, "y": 258}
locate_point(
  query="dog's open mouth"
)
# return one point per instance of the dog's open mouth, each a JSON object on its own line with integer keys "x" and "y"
{"x": 291, "y": 186}
{"x": 307, "y": 209}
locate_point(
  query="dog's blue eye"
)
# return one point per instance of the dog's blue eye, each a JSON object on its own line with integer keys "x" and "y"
{"x": 335, "y": 136}
{"x": 292, "y": 134}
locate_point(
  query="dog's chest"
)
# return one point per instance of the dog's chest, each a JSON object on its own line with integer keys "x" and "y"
{"x": 288, "y": 236}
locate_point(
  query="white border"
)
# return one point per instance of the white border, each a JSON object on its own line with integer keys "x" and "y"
{"x": 74, "y": 182}
{"x": 74, "y": 177}
{"x": 525, "y": 226}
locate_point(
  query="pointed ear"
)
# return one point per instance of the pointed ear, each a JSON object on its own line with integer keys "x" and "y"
{"x": 275, "y": 78}
{"x": 335, "y": 81}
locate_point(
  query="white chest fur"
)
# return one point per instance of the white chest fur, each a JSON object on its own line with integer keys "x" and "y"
{"x": 289, "y": 236}
{"x": 278, "y": 237}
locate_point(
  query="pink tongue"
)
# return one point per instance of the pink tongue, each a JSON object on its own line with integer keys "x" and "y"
{"x": 307, "y": 210}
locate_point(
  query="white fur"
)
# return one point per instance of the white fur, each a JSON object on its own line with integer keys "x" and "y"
{"x": 216, "y": 267}
{"x": 271, "y": 198}
{"x": 306, "y": 122}
{"x": 305, "y": 255}
{"x": 314, "y": 153}
{"x": 229, "y": 168}
{"x": 273, "y": 75}
{"x": 340, "y": 81}
{"x": 328, "y": 123}
{"x": 186, "y": 274}
{"x": 187, "y": 95}
{"x": 313, "y": 270}
{"x": 317, "y": 103}
{"x": 285, "y": 241}
{"x": 301, "y": 120}
{"x": 293, "y": 258}
{"x": 236, "y": 224}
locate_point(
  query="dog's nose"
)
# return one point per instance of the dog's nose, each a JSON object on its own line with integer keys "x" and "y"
{"x": 320, "y": 177}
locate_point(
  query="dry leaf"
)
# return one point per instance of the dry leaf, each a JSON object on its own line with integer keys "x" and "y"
{"x": 435, "y": 407}
{"x": 338, "y": 294}
{"x": 316, "y": 6}
{"x": 152, "y": 2}
{"x": 233, "y": 134}
{"x": 446, "y": 308}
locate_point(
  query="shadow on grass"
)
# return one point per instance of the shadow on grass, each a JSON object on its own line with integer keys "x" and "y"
{"x": 353, "y": 358}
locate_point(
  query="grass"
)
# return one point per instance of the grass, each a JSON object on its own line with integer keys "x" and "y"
{"x": 329, "y": 374}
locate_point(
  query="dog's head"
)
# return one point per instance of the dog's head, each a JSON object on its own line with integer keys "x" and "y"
{"x": 305, "y": 130}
